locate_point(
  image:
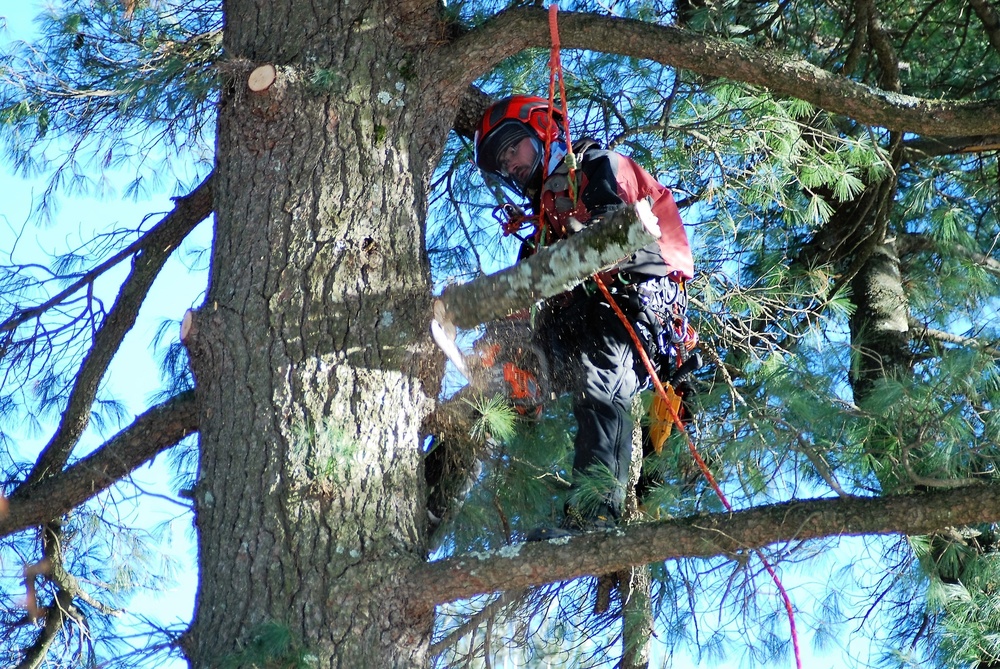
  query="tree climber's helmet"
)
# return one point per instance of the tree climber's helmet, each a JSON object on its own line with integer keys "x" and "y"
{"x": 507, "y": 122}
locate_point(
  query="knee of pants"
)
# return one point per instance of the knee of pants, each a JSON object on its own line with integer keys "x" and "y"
{"x": 604, "y": 436}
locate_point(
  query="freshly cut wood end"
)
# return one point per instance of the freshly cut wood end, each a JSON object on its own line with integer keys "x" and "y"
{"x": 440, "y": 312}
{"x": 648, "y": 218}
{"x": 262, "y": 78}
{"x": 187, "y": 324}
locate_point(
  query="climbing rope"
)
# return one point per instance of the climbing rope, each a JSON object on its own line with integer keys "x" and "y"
{"x": 706, "y": 472}
{"x": 555, "y": 72}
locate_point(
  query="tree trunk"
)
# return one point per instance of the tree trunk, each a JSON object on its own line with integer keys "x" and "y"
{"x": 309, "y": 504}
{"x": 880, "y": 324}
{"x": 635, "y": 584}
{"x": 637, "y": 617}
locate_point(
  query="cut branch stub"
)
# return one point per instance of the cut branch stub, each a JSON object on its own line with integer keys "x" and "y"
{"x": 553, "y": 270}
{"x": 444, "y": 333}
{"x": 187, "y": 327}
{"x": 262, "y": 78}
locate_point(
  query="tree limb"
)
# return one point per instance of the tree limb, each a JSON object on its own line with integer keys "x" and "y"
{"x": 553, "y": 270}
{"x": 512, "y": 31}
{"x": 151, "y": 433}
{"x": 152, "y": 253}
{"x": 912, "y": 242}
{"x": 702, "y": 536}
{"x": 63, "y": 609}
{"x": 55, "y": 617}
{"x": 488, "y": 612}
{"x": 921, "y": 331}
{"x": 929, "y": 147}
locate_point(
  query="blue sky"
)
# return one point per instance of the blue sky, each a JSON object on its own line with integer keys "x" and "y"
{"x": 134, "y": 374}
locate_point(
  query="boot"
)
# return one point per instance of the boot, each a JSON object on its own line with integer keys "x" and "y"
{"x": 575, "y": 523}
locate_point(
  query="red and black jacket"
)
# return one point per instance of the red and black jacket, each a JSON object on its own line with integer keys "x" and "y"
{"x": 608, "y": 181}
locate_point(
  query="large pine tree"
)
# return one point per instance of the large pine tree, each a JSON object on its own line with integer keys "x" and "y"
{"x": 836, "y": 163}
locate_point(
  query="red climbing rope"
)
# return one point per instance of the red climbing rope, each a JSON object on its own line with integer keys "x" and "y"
{"x": 555, "y": 72}
{"x": 706, "y": 472}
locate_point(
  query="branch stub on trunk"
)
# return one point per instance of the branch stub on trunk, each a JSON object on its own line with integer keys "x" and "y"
{"x": 262, "y": 78}
{"x": 187, "y": 327}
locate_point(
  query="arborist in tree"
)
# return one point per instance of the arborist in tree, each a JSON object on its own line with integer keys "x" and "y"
{"x": 588, "y": 348}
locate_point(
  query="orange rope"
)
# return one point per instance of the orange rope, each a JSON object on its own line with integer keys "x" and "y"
{"x": 706, "y": 472}
{"x": 555, "y": 68}
{"x": 556, "y": 71}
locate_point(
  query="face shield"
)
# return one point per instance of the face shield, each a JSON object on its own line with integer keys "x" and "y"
{"x": 494, "y": 151}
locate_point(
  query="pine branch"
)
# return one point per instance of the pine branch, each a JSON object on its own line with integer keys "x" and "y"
{"x": 703, "y": 536}
{"x": 929, "y": 147}
{"x": 887, "y": 61}
{"x": 921, "y": 331}
{"x": 488, "y": 612}
{"x": 62, "y": 609}
{"x": 148, "y": 259}
{"x": 450, "y": 466}
{"x": 782, "y": 73}
{"x": 921, "y": 242}
{"x": 55, "y": 618}
{"x": 156, "y": 430}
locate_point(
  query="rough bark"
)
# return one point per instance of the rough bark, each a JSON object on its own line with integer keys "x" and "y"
{"x": 634, "y": 589}
{"x": 307, "y": 350}
{"x": 635, "y": 583}
{"x": 880, "y": 324}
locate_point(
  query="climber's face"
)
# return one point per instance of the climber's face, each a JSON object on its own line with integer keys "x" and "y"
{"x": 518, "y": 160}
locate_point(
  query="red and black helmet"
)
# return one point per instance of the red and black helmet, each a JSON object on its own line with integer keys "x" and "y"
{"x": 508, "y": 121}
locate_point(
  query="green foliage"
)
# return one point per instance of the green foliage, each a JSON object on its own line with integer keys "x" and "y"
{"x": 175, "y": 371}
{"x": 327, "y": 80}
{"x": 761, "y": 180}
{"x": 496, "y": 419}
{"x": 524, "y": 479}
{"x": 759, "y": 177}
